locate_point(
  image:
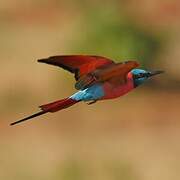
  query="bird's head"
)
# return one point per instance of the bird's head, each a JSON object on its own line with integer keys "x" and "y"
{"x": 140, "y": 75}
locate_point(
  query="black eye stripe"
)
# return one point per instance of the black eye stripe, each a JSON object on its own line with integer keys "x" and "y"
{"x": 141, "y": 75}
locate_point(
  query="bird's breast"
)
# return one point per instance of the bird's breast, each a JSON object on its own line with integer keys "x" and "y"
{"x": 113, "y": 91}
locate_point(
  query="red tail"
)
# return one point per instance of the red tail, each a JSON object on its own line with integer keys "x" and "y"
{"x": 51, "y": 107}
{"x": 58, "y": 105}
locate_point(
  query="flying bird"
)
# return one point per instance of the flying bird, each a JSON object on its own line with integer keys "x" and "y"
{"x": 97, "y": 78}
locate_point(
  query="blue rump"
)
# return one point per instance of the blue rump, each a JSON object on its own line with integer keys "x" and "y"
{"x": 94, "y": 92}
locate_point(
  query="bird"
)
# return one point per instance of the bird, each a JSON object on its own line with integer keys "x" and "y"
{"x": 97, "y": 78}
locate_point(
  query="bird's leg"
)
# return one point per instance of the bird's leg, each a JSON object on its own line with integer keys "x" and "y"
{"x": 92, "y": 102}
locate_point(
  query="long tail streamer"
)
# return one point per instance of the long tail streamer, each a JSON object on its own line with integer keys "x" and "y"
{"x": 51, "y": 107}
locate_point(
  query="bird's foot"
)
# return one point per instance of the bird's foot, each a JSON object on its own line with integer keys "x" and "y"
{"x": 92, "y": 102}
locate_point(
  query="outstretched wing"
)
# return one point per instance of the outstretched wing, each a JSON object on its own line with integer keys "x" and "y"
{"x": 78, "y": 64}
{"x": 114, "y": 73}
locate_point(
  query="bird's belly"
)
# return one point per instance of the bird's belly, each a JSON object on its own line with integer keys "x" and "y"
{"x": 114, "y": 92}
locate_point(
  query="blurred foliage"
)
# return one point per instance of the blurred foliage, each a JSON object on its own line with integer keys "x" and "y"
{"x": 72, "y": 170}
{"x": 120, "y": 170}
{"x": 107, "y": 30}
{"x": 113, "y": 169}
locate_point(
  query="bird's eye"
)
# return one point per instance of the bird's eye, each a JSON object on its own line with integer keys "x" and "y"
{"x": 141, "y": 75}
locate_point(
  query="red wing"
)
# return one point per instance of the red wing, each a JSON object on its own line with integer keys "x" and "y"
{"x": 115, "y": 73}
{"x": 78, "y": 64}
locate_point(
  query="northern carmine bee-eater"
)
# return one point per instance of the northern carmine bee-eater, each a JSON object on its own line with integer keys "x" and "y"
{"x": 97, "y": 78}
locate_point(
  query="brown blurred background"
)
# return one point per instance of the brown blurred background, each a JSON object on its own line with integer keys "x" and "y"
{"x": 135, "y": 137}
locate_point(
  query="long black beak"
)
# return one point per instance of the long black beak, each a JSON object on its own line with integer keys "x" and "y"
{"x": 154, "y": 73}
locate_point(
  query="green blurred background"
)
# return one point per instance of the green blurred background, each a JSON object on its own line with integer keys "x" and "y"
{"x": 135, "y": 137}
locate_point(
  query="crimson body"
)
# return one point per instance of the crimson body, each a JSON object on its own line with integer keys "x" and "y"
{"x": 114, "y": 92}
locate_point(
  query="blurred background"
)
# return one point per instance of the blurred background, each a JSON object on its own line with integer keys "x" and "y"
{"x": 135, "y": 137}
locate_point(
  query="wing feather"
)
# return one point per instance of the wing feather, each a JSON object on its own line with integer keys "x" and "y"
{"x": 115, "y": 73}
{"x": 89, "y": 70}
{"x": 77, "y": 64}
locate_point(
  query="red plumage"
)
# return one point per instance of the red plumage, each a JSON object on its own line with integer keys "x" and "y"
{"x": 77, "y": 64}
{"x": 58, "y": 105}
